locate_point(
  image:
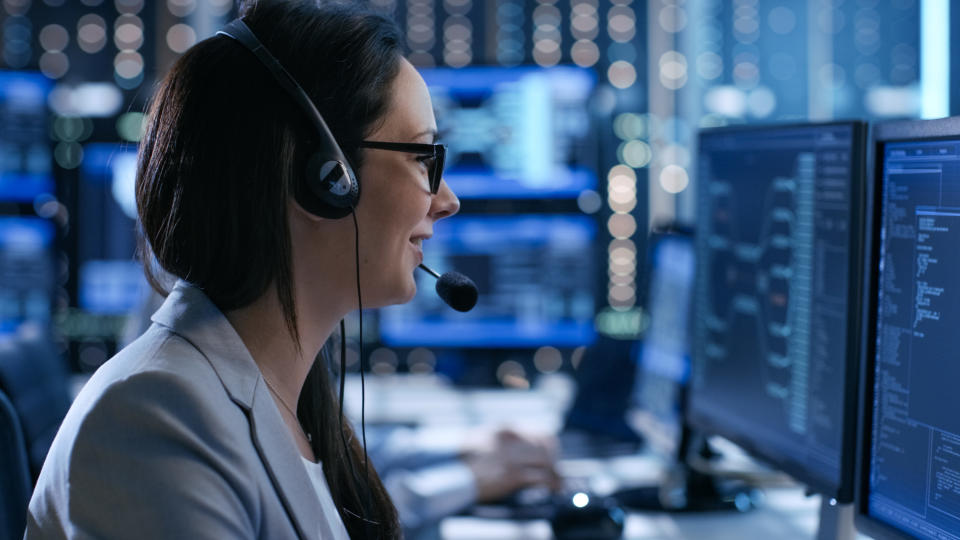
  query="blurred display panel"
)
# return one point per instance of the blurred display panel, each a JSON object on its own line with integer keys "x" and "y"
{"x": 25, "y": 158}
{"x": 515, "y": 132}
{"x": 664, "y": 353}
{"x": 535, "y": 274}
{"x": 110, "y": 280}
{"x": 26, "y": 271}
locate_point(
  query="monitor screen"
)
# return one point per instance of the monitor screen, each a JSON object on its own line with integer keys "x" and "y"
{"x": 110, "y": 280}
{"x": 26, "y": 163}
{"x": 774, "y": 333}
{"x": 519, "y": 132}
{"x": 535, "y": 275}
{"x": 664, "y": 353}
{"x": 26, "y": 271}
{"x": 911, "y": 432}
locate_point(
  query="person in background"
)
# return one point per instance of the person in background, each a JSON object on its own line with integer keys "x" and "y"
{"x": 430, "y": 478}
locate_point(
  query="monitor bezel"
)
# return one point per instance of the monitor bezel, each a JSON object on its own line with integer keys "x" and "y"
{"x": 842, "y": 493}
{"x": 881, "y": 134}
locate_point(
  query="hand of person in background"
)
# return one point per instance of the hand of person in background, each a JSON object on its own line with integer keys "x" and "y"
{"x": 506, "y": 461}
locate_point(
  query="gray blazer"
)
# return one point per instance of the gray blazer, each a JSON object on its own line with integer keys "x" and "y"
{"x": 176, "y": 436}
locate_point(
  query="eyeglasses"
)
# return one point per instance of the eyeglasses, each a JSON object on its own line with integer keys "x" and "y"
{"x": 432, "y": 156}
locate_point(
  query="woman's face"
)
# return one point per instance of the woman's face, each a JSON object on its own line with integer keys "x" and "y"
{"x": 396, "y": 212}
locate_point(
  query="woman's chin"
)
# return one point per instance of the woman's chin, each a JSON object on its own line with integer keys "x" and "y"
{"x": 401, "y": 294}
{"x": 409, "y": 293}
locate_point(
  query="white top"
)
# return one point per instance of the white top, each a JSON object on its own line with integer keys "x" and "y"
{"x": 332, "y": 525}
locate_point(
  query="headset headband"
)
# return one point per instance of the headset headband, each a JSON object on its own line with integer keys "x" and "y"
{"x": 329, "y": 176}
{"x": 239, "y": 31}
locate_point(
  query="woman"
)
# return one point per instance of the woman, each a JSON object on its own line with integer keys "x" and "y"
{"x": 217, "y": 423}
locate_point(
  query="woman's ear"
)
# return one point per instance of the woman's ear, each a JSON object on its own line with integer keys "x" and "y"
{"x": 297, "y": 211}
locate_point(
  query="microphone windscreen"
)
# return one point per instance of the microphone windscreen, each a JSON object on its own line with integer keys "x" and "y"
{"x": 457, "y": 290}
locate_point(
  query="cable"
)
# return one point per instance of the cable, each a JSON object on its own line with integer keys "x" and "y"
{"x": 363, "y": 390}
{"x": 343, "y": 372}
{"x": 343, "y": 439}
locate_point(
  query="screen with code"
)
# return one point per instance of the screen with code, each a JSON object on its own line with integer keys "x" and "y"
{"x": 914, "y": 453}
{"x": 770, "y": 333}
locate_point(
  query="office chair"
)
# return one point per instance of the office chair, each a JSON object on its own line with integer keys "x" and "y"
{"x": 33, "y": 374}
{"x": 14, "y": 473}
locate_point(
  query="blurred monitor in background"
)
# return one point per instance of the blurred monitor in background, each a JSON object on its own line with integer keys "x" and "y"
{"x": 517, "y": 132}
{"x": 110, "y": 281}
{"x": 26, "y": 272}
{"x": 663, "y": 356}
{"x": 25, "y": 158}
{"x": 535, "y": 273}
{"x": 522, "y": 148}
{"x": 107, "y": 282}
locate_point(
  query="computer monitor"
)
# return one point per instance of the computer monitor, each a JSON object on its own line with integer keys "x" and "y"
{"x": 629, "y": 392}
{"x": 663, "y": 355}
{"x": 27, "y": 276}
{"x": 109, "y": 279}
{"x": 515, "y": 133}
{"x": 26, "y": 161}
{"x": 535, "y": 274}
{"x": 776, "y": 307}
{"x": 908, "y": 484}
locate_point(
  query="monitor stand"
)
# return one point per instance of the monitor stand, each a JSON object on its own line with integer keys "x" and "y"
{"x": 685, "y": 489}
{"x": 836, "y": 521}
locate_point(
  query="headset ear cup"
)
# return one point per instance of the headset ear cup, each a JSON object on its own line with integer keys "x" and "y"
{"x": 329, "y": 189}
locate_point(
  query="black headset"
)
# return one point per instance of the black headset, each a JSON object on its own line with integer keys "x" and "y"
{"x": 329, "y": 188}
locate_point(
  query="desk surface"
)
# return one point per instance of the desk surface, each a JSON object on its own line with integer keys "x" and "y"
{"x": 786, "y": 513}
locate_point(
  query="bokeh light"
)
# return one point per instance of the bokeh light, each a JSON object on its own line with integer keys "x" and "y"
{"x": 547, "y": 359}
{"x": 635, "y": 153}
{"x": 130, "y": 126}
{"x": 54, "y": 64}
{"x": 54, "y": 38}
{"x": 383, "y": 361}
{"x": 91, "y": 33}
{"x": 585, "y": 53}
{"x": 181, "y": 37}
{"x": 674, "y": 179}
{"x": 673, "y": 70}
{"x": 68, "y": 155}
{"x": 622, "y": 74}
{"x": 622, "y": 225}
{"x": 181, "y": 8}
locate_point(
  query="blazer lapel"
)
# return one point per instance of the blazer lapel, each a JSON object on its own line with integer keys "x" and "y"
{"x": 284, "y": 463}
{"x": 190, "y": 314}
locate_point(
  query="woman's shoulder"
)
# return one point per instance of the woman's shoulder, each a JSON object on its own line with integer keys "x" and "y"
{"x": 160, "y": 365}
{"x": 154, "y": 427}
{"x": 159, "y": 388}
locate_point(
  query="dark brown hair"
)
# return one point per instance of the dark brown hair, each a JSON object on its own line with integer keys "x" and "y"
{"x": 223, "y": 148}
